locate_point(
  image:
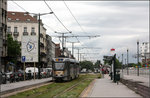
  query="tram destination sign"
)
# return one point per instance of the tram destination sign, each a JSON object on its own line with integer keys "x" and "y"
{"x": 29, "y": 49}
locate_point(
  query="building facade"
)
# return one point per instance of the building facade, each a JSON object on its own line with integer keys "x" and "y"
{"x": 67, "y": 53}
{"x": 22, "y": 24}
{"x": 49, "y": 51}
{"x": 57, "y": 50}
{"x": 3, "y": 28}
{"x": 145, "y": 52}
{"x": 53, "y": 49}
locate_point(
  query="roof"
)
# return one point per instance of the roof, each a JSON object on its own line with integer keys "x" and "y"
{"x": 20, "y": 16}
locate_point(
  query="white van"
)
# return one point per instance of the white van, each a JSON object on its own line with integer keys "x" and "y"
{"x": 31, "y": 70}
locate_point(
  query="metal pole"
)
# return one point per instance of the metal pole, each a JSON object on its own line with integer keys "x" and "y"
{"x": 39, "y": 50}
{"x": 63, "y": 43}
{"x": 114, "y": 59}
{"x": 24, "y": 71}
{"x": 149, "y": 55}
{"x": 138, "y": 58}
{"x": 72, "y": 48}
{"x": 78, "y": 54}
{"x": 127, "y": 62}
{"x": 122, "y": 64}
{"x": 34, "y": 70}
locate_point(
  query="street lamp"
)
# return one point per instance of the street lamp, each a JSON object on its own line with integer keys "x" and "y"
{"x": 127, "y": 62}
{"x": 138, "y": 58}
{"x": 39, "y": 23}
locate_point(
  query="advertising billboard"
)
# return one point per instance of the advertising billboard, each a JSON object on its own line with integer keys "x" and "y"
{"x": 29, "y": 49}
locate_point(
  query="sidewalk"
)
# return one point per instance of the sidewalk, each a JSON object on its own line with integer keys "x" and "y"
{"x": 12, "y": 87}
{"x": 104, "y": 87}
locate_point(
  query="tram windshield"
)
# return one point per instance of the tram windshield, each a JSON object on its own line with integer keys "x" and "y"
{"x": 59, "y": 66}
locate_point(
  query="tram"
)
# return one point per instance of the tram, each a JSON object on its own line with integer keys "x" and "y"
{"x": 64, "y": 69}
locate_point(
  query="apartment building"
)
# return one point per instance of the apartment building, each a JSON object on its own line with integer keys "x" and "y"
{"x": 22, "y": 24}
{"x": 3, "y": 28}
{"x": 144, "y": 49}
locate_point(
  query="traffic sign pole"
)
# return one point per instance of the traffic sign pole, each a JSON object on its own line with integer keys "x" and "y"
{"x": 34, "y": 70}
{"x": 24, "y": 72}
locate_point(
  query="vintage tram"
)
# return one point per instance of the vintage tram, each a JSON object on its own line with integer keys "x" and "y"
{"x": 64, "y": 69}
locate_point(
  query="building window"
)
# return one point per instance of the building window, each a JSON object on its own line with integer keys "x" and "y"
{"x": 17, "y": 19}
{"x": 32, "y": 29}
{"x": 13, "y": 13}
{"x": 9, "y": 18}
{"x": 15, "y": 29}
{"x": 28, "y": 19}
{"x": 8, "y": 29}
{"x": 25, "y": 29}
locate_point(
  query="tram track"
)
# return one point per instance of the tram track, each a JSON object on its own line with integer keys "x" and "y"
{"x": 68, "y": 89}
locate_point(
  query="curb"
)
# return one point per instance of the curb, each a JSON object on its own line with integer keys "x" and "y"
{"x": 87, "y": 90}
{"x": 22, "y": 89}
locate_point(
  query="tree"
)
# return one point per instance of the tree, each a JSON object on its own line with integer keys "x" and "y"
{"x": 88, "y": 65}
{"x": 96, "y": 65}
{"x": 13, "y": 49}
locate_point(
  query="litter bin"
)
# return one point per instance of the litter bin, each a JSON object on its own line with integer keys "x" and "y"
{"x": 117, "y": 78}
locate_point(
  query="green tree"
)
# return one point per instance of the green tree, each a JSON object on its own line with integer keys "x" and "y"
{"x": 87, "y": 64}
{"x": 13, "y": 49}
{"x": 96, "y": 65}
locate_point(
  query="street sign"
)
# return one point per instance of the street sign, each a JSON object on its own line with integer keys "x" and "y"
{"x": 29, "y": 49}
{"x": 23, "y": 59}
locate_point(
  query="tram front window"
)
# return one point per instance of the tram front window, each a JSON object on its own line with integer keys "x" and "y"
{"x": 59, "y": 66}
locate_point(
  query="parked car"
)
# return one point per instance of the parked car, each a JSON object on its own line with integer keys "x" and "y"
{"x": 49, "y": 72}
{"x": 2, "y": 78}
{"x": 43, "y": 73}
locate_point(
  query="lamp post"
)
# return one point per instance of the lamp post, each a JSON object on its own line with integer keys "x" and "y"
{"x": 39, "y": 23}
{"x": 122, "y": 64}
{"x": 138, "y": 58}
{"x": 127, "y": 62}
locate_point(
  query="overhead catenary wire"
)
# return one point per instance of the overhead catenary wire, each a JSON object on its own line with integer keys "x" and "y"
{"x": 19, "y": 5}
{"x": 56, "y": 16}
{"x": 74, "y": 17}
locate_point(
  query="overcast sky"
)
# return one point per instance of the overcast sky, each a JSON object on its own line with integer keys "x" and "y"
{"x": 119, "y": 23}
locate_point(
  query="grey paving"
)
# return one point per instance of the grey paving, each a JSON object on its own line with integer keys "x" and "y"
{"x": 16, "y": 85}
{"x": 106, "y": 88}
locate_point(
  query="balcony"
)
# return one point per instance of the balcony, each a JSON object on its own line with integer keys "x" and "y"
{"x": 41, "y": 35}
{"x": 16, "y": 33}
{"x": 43, "y": 54}
{"x": 33, "y": 33}
{"x": 9, "y": 33}
{"x": 25, "y": 33}
{"x": 4, "y": 42}
{"x": 41, "y": 44}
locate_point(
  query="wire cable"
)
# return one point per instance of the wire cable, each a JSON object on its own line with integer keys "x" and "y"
{"x": 18, "y": 5}
{"x": 56, "y": 16}
{"x": 74, "y": 17}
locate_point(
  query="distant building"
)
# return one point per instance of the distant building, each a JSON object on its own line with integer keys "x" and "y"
{"x": 53, "y": 49}
{"x": 3, "y": 28}
{"x": 57, "y": 50}
{"x": 144, "y": 49}
{"x": 67, "y": 53}
{"x": 22, "y": 24}
{"x": 49, "y": 51}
